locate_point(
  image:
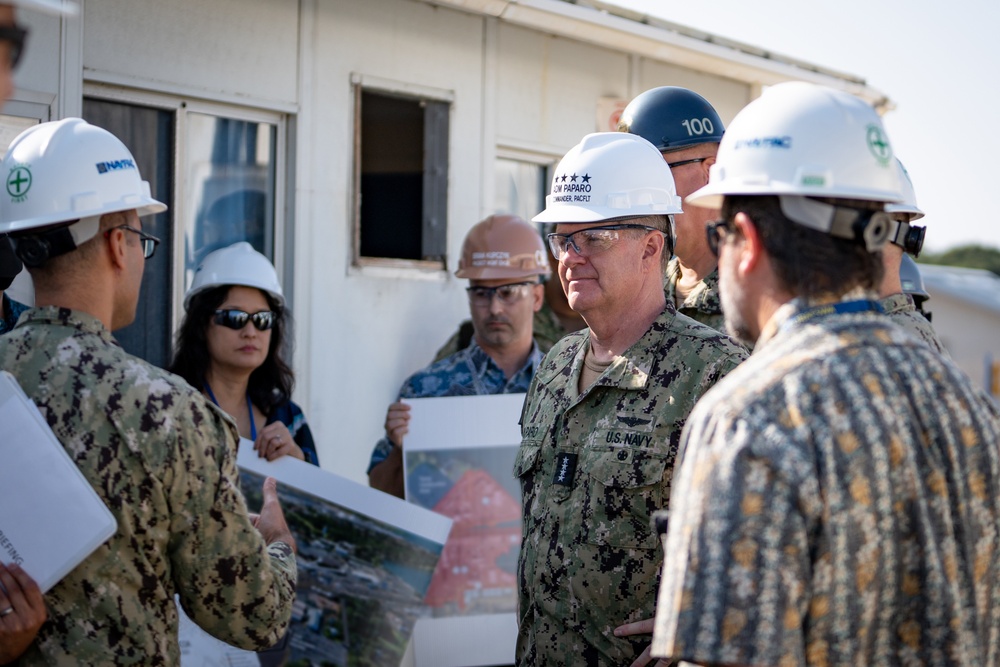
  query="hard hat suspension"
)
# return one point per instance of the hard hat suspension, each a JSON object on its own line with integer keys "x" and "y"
{"x": 863, "y": 225}
{"x": 38, "y": 247}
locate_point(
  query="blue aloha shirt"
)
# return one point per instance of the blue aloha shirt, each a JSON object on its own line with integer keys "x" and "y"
{"x": 468, "y": 372}
{"x": 10, "y": 310}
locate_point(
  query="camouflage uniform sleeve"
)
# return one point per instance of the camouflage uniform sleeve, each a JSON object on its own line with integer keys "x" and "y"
{"x": 726, "y": 363}
{"x": 901, "y": 309}
{"x": 735, "y": 582}
{"x": 381, "y": 452}
{"x": 230, "y": 583}
{"x": 458, "y": 341}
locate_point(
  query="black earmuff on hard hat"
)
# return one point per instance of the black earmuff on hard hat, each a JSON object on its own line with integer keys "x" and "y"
{"x": 10, "y": 265}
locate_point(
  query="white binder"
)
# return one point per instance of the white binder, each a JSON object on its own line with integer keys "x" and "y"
{"x": 51, "y": 518}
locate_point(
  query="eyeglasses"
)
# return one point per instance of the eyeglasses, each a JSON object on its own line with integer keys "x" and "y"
{"x": 714, "y": 231}
{"x": 15, "y": 36}
{"x": 237, "y": 319}
{"x": 508, "y": 294}
{"x": 590, "y": 241}
{"x": 681, "y": 163}
{"x": 149, "y": 242}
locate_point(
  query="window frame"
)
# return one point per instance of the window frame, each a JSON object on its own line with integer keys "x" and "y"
{"x": 180, "y": 106}
{"x": 547, "y": 161}
{"x": 361, "y": 83}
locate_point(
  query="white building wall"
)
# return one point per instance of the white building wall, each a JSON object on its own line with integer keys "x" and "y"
{"x": 968, "y": 332}
{"x": 547, "y": 88}
{"x": 40, "y": 89}
{"x": 726, "y": 95}
{"x": 366, "y": 329}
{"x": 222, "y": 49}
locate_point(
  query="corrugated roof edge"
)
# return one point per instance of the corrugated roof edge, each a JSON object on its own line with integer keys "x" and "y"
{"x": 614, "y": 27}
{"x": 976, "y": 287}
{"x": 711, "y": 38}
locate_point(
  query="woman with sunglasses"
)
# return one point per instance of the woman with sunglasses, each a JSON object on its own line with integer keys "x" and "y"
{"x": 231, "y": 345}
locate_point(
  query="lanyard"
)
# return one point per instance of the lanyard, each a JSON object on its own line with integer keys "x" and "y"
{"x": 840, "y": 308}
{"x": 253, "y": 426}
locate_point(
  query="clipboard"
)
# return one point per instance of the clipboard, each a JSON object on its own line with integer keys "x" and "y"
{"x": 51, "y": 518}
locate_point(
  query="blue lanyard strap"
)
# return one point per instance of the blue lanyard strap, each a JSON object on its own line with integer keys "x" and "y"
{"x": 840, "y": 308}
{"x": 253, "y": 426}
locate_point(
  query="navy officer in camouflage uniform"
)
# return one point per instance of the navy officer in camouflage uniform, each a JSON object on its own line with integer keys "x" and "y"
{"x": 22, "y": 608}
{"x": 602, "y": 420}
{"x": 837, "y": 498}
{"x": 904, "y": 240}
{"x": 160, "y": 455}
{"x": 686, "y": 129}
{"x": 503, "y": 258}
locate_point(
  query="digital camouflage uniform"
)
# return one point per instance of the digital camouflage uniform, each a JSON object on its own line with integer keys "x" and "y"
{"x": 163, "y": 460}
{"x": 836, "y": 505}
{"x": 546, "y": 330}
{"x": 593, "y": 468}
{"x": 901, "y": 308}
{"x": 468, "y": 372}
{"x": 703, "y": 303}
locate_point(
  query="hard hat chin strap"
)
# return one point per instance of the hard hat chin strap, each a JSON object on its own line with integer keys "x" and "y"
{"x": 37, "y": 248}
{"x": 870, "y": 227}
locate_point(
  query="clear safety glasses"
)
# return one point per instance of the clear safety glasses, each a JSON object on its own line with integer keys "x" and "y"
{"x": 508, "y": 294}
{"x": 590, "y": 241}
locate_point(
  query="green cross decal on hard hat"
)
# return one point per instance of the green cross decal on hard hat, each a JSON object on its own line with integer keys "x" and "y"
{"x": 878, "y": 144}
{"x": 18, "y": 181}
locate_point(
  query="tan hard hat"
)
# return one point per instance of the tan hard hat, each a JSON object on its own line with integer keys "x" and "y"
{"x": 502, "y": 246}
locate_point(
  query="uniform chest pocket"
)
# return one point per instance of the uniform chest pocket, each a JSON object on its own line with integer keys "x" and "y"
{"x": 624, "y": 486}
{"x": 526, "y": 459}
{"x": 526, "y": 470}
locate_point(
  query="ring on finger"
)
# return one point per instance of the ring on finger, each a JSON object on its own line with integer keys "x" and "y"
{"x": 8, "y": 610}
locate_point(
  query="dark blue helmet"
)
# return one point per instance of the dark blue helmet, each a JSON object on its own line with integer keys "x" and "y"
{"x": 912, "y": 281}
{"x": 672, "y": 118}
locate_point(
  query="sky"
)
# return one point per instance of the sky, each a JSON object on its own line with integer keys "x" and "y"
{"x": 937, "y": 61}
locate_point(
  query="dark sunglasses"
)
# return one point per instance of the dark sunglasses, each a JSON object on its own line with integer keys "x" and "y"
{"x": 714, "y": 232}
{"x": 237, "y": 319}
{"x": 15, "y": 36}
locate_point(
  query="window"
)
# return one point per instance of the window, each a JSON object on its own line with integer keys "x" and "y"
{"x": 521, "y": 187}
{"x": 216, "y": 167}
{"x": 230, "y": 180}
{"x": 149, "y": 135}
{"x": 401, "y": 178}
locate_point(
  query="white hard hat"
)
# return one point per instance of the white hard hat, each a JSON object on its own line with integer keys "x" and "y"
{"x": 65, "y": 7}
{"x": 68, "y": 170}
{"x": 238, "y": 264}
{"x": 610, "y": 175}
{"x": 904, "y": 233}
{"x": 807, "y": 140}
{"x": 909, "y": 195}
